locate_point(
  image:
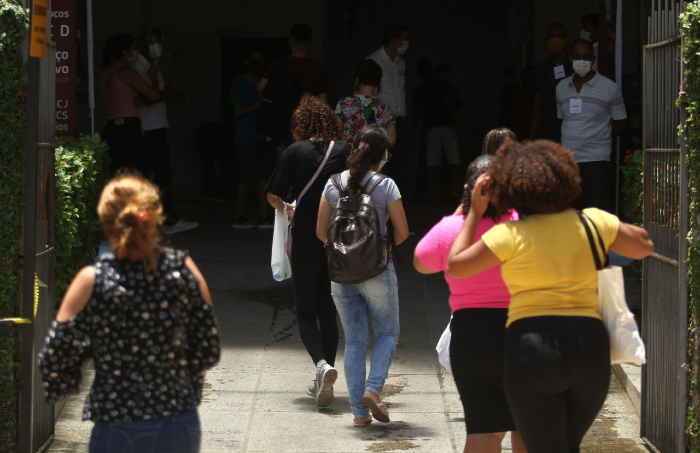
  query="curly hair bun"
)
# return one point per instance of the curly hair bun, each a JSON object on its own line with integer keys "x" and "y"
{"x": 131, "y": 213}
{"x": 534, "y": 177}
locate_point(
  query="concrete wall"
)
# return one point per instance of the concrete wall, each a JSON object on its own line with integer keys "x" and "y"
{"x": 195, "y": 30}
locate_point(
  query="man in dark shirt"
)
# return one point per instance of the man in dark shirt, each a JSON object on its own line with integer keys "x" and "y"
{"x": 545, "y": 78}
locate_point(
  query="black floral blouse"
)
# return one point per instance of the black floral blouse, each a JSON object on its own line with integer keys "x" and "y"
{"x": 152, "y": 339}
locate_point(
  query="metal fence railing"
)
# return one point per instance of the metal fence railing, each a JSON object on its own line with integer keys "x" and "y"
{"x": 664, "y": 289}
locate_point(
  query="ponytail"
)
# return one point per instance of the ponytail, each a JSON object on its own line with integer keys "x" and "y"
{"x": 370, "y": 144}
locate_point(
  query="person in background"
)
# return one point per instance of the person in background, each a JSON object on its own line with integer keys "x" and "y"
{"x": 557, "y": 351}
{"x": 154, "y": 123}
{"x": 589, "y": 31}
{"x": 479, "y": 309}
{"x": 392, "y": 91}
{"x": 417, "y": 129}
{"x": 314, "y": 126}
{"x": 545, "y": 78}
{"x": 593, "y": 112}
{"x": 364, "y": 107}
{"x": 495, "y": 138}
{"x": 122, "y": 88}
{"x": 251, "y": 156}
{"x": 145, "y": 316}
{"x": 378, "y": 296}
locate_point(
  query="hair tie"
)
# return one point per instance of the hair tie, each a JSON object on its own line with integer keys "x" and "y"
{"x": 362, "y": 146}
{"x": 143, "y": 215}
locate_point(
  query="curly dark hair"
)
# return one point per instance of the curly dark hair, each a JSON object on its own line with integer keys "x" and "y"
{"x": 478, "y": 167}
{"x": 534, "y": 177}
{"x": 314, "y": 119}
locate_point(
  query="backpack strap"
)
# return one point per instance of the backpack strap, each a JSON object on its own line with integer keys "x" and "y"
{"x": 372, "y": 182}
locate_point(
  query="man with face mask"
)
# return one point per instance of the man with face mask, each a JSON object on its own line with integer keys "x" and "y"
{"x": 392, "y": 91}
{"x": 545, "y": 78}
{"x": 593, "y": 112}
{"x": 251, "y": 156}
{"x": 154, "y": 123}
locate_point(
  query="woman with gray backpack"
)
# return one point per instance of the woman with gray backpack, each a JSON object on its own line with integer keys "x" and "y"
{"x": 352, "y": 223}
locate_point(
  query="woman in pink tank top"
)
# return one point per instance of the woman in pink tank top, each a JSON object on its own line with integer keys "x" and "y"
{"x": 479, "y": 310}
{"x": 124, "y": 91}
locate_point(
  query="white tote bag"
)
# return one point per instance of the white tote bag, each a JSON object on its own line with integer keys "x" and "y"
{"x": 626, "y": 344}
{"x": 443, "y": 348}
{"x": 281, "y": 268}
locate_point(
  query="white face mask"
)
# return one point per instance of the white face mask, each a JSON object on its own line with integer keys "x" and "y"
{"x": 582, "y": 67}
{"x": 155, "y": 50}
{"x": 585, "y": 35}
{"x": 383, "y": 161}
{"x": 404, "y": 47}
{"x": 131, "y": 58}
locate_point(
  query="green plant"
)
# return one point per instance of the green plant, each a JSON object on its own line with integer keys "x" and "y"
{"x": 633, "y": 193}
{"x": 81, "y": 168}
{"x": 14, "y": 21}
{"x": 690, "y": 29}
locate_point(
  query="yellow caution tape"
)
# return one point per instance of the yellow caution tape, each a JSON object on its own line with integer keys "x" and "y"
{"x": 37, "y": 284}
{"x": 15, "y": 321}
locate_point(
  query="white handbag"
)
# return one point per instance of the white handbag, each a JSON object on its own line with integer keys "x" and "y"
{"x": 281, "y": 268}
{"x": 626, "y": 345}
{"x": 443, "y": 348}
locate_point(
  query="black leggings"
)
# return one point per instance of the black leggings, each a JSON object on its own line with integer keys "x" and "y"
{"x": 556, "y": 377}
{"x": 316, "y": 314}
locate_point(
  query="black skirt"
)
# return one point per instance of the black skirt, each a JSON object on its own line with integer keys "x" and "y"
{"x": 476, "y": 356}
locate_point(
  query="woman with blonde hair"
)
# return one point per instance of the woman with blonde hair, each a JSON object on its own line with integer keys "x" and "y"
{"x": 145, "y": 316}
{"x": 303, "y": 170}
{"x": 495, "y": 138}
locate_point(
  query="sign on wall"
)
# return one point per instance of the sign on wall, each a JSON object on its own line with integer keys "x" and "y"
{"x": 69, "y": 32}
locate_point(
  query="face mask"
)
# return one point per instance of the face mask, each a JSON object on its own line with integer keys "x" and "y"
{"x": 257, "y": 67}
{"x": 582, "y": 67}
{"x": 132, "y": 57}
{"x": 155, "y": 50}
{"x": 404, "y": 47}
{"x": 382, "y": 162}
{"x": 555, "y": 44}
{"x": 585, "y": 35}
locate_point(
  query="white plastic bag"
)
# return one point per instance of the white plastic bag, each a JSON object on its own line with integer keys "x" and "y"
{"x": 281, "y": 268}
{"x": 626, "y": 345}
{"x": 443, "y": 348}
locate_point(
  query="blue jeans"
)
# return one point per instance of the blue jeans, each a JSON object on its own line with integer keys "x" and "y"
{"x": 378, "y": 296}
{"x": 178, "y": 434}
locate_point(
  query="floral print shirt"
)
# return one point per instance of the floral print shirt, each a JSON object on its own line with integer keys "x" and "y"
{"x": 152, "y": 339}
{"x": 357, "y": 111}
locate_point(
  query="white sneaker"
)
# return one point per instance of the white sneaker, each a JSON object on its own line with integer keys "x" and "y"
{"x": 180, "y": 226}
{"x": 325, "y": 378}
{"x": 311, "y": 389}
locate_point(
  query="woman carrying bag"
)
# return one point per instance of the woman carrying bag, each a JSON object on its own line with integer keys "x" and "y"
{"x": 557, "y": 350}
{"x": 377, "y": 296}
{"x": 316, "y": 131}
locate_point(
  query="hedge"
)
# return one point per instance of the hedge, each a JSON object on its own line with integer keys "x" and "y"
{"x": 14, "y": 22}
{"x": 81, "y": 171}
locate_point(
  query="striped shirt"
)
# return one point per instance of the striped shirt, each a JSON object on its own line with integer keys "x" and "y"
{"x": 589, "y": 133}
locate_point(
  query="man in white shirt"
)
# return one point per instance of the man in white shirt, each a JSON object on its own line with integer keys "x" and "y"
{"x": 593, "y": 112}
{"x": 392, "y": 91}
{"x": 154, "y": 123}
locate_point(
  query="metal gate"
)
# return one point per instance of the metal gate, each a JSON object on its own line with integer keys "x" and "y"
{"x": 36, "y": 416}
{"x": 664, "y": 306}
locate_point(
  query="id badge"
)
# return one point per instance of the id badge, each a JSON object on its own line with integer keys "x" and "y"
{"x": 575, "y": 105}
{"x": 559, "y": 72}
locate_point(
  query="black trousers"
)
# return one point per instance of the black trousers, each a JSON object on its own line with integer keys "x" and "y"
{"x": 398, "y": 167}
{"x": 596, "y": 180}
{"x": 156, "y": 146}
{"x": 556, "y": 378}
{"x": 316, "y": 313}
{"x": 125, "y": 141}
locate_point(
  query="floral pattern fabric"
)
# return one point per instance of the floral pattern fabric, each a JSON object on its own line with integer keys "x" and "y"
{"x": 357, "y": 111}
{"x": 152, "y": 339}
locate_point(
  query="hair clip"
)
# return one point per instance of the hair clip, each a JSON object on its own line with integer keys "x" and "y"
{"x": 143, "y": 215}
{"x": 362, "y": 146}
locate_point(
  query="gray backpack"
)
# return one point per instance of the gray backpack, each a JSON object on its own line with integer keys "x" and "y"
{"x": 356, "y": 250}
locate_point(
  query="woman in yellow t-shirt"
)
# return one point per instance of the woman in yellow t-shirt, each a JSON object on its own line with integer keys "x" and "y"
{"x": 557, "y": 352}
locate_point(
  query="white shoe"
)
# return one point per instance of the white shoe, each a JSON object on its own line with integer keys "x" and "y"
{"x": 325, "y": 378}
{"x": 180, "y": 226}
{"x": 311, "y": 389}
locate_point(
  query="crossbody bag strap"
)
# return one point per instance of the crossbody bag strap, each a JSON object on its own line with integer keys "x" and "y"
{"x": 600, "y": 241}
{"x": 589, "y": 234}
{"x": 318, "y": 172}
